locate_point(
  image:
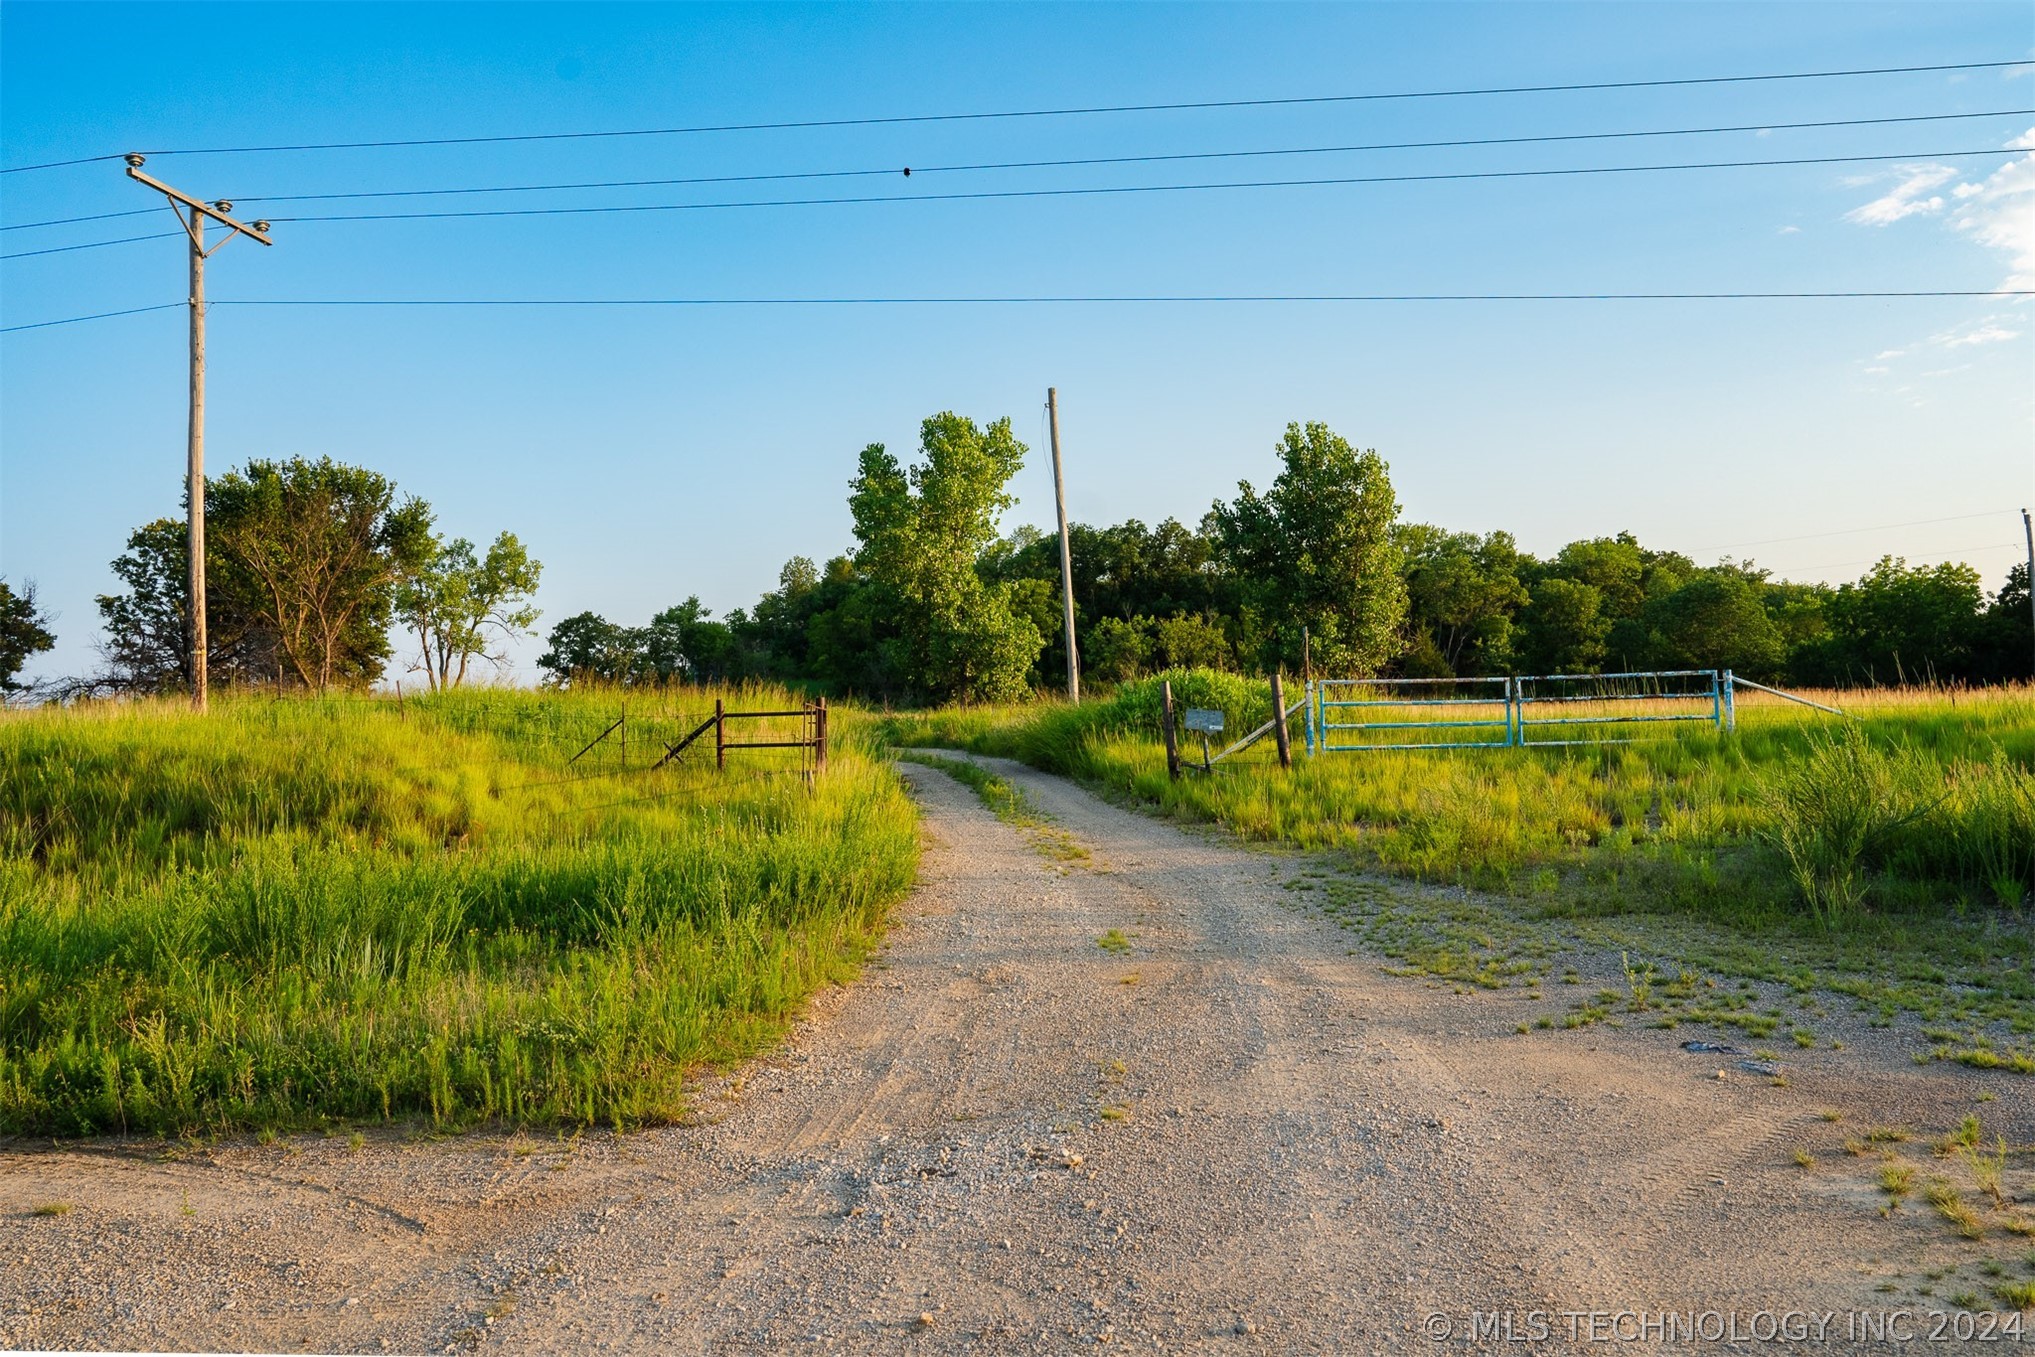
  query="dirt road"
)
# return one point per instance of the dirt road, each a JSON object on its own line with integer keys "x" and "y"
{"x": 1010, "y": 1137}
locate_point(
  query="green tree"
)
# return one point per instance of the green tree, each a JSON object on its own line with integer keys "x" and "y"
{"x": 24, "y": 632}
{"x": 316, "y": 550}
{"x": 1463, "y": 592}
{"x": 2008, "y": 633}
{"x": 1116, "y": 651}
{"x": 457, "y": 600}
{"x": 922, "y": 533}
{"x": 1564, "y": 628}
{"x": 1316, "y": 550}
{"x": 1192, "y": 643}
{"x": 148, "y": 628}
{"x": 1715, "y": 620}
{"x": 685, "y": 643}
{"x": 586, "y": 646}
{"x": 1906, "y": 624}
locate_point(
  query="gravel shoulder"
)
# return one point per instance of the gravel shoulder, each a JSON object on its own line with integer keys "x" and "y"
{"x": 1007, "y": 1136}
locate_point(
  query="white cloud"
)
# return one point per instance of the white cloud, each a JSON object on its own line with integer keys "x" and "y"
{"x": 1879, "y": 371}
{"x": 1885, "y": 354}
{"x": 2000, "y": 214}
{"x": 1986, "y": 331}
{"x": 1790, "y": 231}
{"x": 1906, "y": 198}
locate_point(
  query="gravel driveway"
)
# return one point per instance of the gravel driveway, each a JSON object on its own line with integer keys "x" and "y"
{"x": 1220, "y": 1131}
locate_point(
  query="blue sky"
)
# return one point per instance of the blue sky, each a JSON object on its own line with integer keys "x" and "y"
{"x": 648, "y": 454}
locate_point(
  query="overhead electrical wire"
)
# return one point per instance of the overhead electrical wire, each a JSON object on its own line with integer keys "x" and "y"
{"x": 1104, "y": 190}
{"x": 1083, "y": 111}
{"x": 1069, "y": 163}
{"x": 1124, "y": 189}
{"x": 1182, "y": 299}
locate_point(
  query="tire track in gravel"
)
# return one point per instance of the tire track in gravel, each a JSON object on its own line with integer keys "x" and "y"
{"x": 1006, "y": 1138}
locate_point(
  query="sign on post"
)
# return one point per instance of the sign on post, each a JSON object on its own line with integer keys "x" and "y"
{"x": 1207, "y": 723}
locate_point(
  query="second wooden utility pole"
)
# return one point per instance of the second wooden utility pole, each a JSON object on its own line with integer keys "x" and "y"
{"x": 1066, "y": 554}
{"x": 193, "y": 219}
{"x": 2028, "y": 527}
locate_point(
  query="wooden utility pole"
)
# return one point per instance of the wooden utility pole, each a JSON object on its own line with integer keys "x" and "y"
{"x": 2028, "y": 527}
{"x": 1066, "y": 553}
{"x": 193, "y": 218}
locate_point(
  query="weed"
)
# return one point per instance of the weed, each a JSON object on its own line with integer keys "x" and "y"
{"x": 1952, "y": 1207}
{"x": 1804, "y": 1159}
{"x": 1896, "y": 1179}
{"x": 1989, "y": 1170}
{"x": 1114, "y": 941}
{"x": 2019, "y": 1295}
{"x": 51, "y": 1209}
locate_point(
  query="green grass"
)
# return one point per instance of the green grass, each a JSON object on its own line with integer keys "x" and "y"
{"x": 1889, "y": 858}
{"x": 291, "y": 913}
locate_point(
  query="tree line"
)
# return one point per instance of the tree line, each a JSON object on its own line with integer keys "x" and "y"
{"x": 315, "y": 569}
{"x": 934, "y": 604}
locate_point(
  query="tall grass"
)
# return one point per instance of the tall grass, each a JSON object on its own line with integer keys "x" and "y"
{"x": 1937, "y": 791}
{"x": 290, "y": 912}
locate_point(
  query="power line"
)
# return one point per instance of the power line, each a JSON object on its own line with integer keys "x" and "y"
{"x": 98, "y": 315}
{"x": 1183, "y": 299}
{"x": 72, "y": 221}
{"x": 1121, "y": 189}
{"x": 91, "y": 245}
{"x": 1082, "y": 161}
{"x": 1456, "y": 143}
{"x": 1103, "y": 190}
{"x": 1284, "y": 102}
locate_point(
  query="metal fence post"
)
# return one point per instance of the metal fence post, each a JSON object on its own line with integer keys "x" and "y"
{"x": 1307, "y": 726}
{"x": 720, "y": 735}
{"x": 1730, "y": 704}
{"x": 820, "y": 739}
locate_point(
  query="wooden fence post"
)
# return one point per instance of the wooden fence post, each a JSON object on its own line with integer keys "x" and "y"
{"x": 1166, "y": 723}
{"x": 720, "y": 736}
{"x": 1279, "y": 720}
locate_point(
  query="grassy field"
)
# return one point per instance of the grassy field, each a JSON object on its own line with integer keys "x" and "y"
{"x": 1890, "y": 855}
{"x": 289, "y": 913}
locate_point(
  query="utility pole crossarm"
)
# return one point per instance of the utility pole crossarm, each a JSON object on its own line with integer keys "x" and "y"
{"x": 257, "y": 232}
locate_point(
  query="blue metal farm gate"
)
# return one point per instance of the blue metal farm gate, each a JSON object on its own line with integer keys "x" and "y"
{"x": 1537, "y": 711}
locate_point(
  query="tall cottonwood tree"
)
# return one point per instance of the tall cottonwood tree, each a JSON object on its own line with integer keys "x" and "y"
{"x": 1316, "y": 551}
{"x": 923, "y": 532}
